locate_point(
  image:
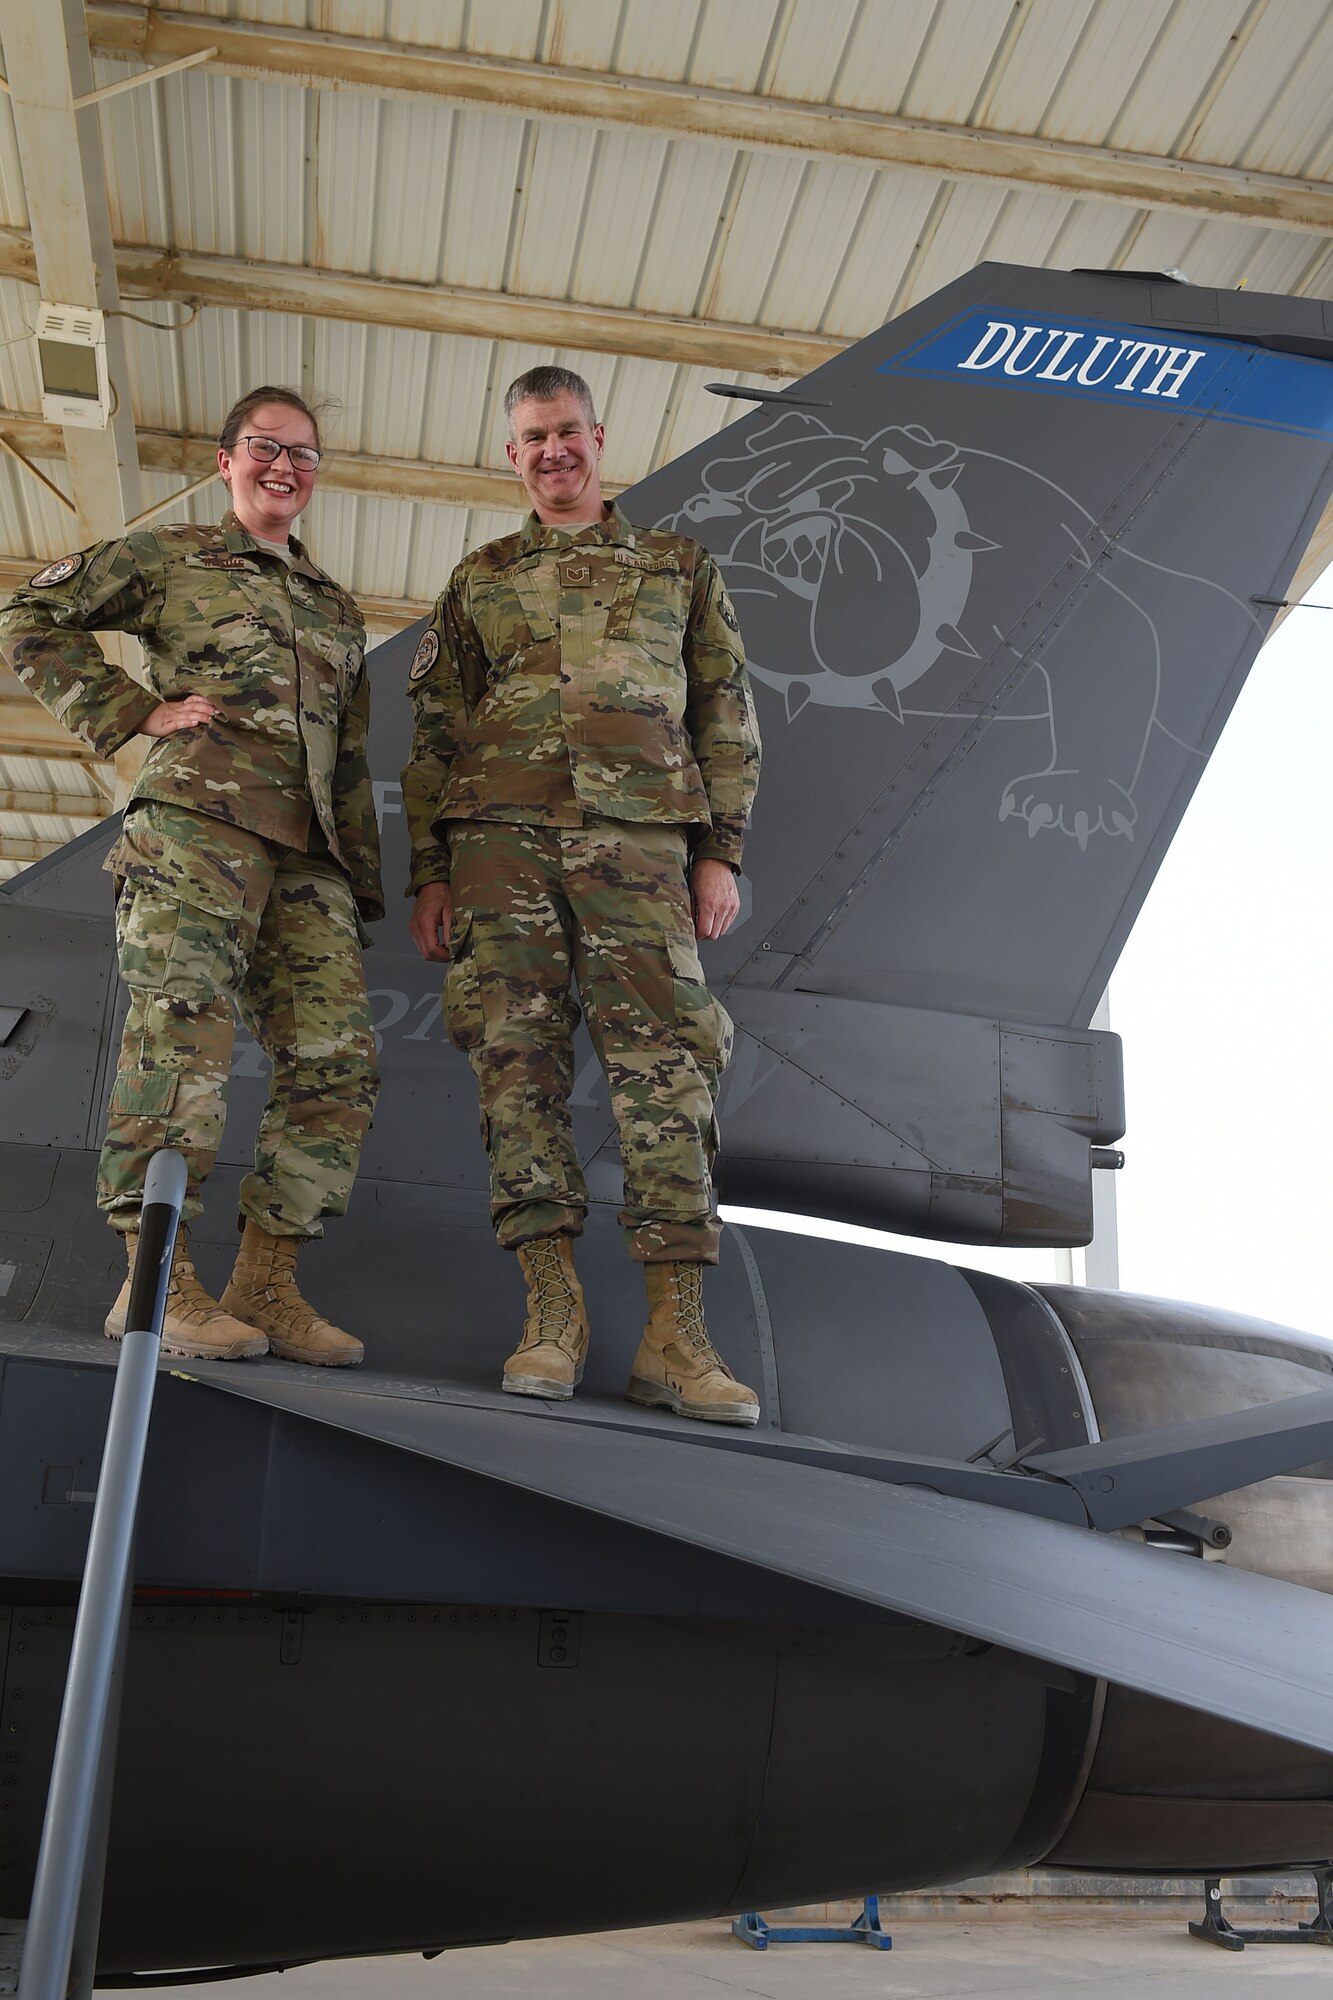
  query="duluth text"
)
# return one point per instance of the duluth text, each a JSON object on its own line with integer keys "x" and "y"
{"x": 1088, "y": 360}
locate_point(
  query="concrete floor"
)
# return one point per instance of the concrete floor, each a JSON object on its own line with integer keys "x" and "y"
{"x": 1065, "y": 1958}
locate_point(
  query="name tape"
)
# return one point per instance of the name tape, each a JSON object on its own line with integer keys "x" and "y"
{"x": 1225, "y": 379}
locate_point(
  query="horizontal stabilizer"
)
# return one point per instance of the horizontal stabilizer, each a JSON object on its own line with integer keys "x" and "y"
{"x": 1236, "y": 1645}
{"x": 1127, "y": 1479}
{"x": 908, "y": 1118}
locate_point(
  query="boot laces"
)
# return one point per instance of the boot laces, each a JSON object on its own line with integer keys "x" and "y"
{"x": 285, "y": 1296}
{"x": 190, "y": 1304}
{"x": 687, "y": 1302}
{"x": 282, "y": 1287}
{"x": 553, "y": 1301}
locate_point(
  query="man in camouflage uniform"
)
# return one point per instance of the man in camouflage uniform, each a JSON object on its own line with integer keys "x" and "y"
{"x": 248, "y": 858}
{"x": 581, "y": 775}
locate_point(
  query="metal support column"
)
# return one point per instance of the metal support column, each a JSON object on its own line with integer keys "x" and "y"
{"x": 67, "y": 1891}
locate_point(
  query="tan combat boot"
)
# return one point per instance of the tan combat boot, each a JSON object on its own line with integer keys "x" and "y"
{"x": 677, "y": 1366}
{"x": 262, "y": 1290}
{"x": 548, "y": 1361}
{"x": 194, "y": 1324}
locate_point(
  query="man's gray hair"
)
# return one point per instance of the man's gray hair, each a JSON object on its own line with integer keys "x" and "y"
{"x": 543, "y": 385}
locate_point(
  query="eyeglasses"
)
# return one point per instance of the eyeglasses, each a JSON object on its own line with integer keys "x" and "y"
{"x": 301, "y": 457}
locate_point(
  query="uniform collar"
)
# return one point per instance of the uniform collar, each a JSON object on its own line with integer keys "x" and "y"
{"x": 240, "y": 542}
{"x": 614, "y": 531}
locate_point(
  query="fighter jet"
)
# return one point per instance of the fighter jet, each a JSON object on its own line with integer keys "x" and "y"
{"x": 1006, "y": 1573}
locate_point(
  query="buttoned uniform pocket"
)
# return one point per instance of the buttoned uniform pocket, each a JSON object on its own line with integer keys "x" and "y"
{"x": 185, "y": 920}
{"x": 702, "y": 1024}
{"x": 226, "y": 623}
{"x": 331, "y": 667}
{"x": 330, "y": 633}
{"x": 514, "y": 610}
{"x": 461, "y": 999}
{"x": 651, "y": 609}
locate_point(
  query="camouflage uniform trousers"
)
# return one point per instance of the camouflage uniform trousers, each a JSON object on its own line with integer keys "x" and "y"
{"x": 607, "y": 903}
{"x": 208, "y": 914}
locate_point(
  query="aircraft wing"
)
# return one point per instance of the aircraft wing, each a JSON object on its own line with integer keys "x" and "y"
{"x": 1232, "y": 1643}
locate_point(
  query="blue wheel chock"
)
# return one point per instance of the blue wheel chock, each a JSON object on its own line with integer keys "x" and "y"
{"x": 751, "y": 1929}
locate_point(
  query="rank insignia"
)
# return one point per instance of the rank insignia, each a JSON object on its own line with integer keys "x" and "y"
{"x": 577, "y": 573}
{"x": 425, "y": 656}
{"x": 56, "y": 572}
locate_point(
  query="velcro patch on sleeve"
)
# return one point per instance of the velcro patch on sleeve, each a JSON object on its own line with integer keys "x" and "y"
{"x": 59, "y": 571}
{"x": 425, "y": 656}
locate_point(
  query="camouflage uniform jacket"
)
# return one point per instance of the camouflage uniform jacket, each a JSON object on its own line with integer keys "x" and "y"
{"x": 596, "y": 671}
{"x": 281, "y": 652}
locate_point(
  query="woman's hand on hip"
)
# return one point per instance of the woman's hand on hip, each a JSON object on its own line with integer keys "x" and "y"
{"x": 170, "y": 716}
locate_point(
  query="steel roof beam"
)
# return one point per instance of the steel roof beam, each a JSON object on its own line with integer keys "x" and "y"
{"x": 30, "y": 732}
{"x": 393, "y": 613}
{"x": 188, "y": 276}
{"x": 86, "y": 806}
{"x": 722, "y": 117}
{"x": 15, "y": 847}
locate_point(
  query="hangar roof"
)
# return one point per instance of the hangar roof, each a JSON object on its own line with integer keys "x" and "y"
{"x": 399, "y": 204}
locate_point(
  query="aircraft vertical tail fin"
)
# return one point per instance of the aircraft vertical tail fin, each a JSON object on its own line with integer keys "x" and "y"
{"x": 1001, "y": 571}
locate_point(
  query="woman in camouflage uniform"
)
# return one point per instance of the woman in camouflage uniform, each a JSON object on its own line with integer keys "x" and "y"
{"x": 247, "y": 862}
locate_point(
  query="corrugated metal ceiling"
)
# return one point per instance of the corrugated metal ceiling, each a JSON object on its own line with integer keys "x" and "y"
{"x": 439, "y": 194}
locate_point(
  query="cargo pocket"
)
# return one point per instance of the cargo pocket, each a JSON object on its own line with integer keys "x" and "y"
{"x": 703, "y": 1025}
{"x": 138, "y": 1093}
{"x": 463, "y": 1016}
{"x": 182, "y": 925}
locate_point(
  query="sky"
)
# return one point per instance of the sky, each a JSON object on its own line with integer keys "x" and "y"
{"x": 1221, "y": 998}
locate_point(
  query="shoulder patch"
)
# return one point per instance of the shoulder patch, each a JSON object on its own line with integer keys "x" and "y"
{"x": 56, "y": 572}
{"x": 425, "y": 656}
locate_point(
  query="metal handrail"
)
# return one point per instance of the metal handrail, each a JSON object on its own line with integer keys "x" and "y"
{"x": 67, "y": 1893}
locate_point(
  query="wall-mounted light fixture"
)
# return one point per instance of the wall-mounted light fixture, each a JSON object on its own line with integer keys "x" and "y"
{"x": 71, "y": 360}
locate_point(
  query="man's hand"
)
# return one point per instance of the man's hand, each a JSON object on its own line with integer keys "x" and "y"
{"x": 716, "y": 899}
{"x": 170, "y": 716}
{"x": 433, "y": 921}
